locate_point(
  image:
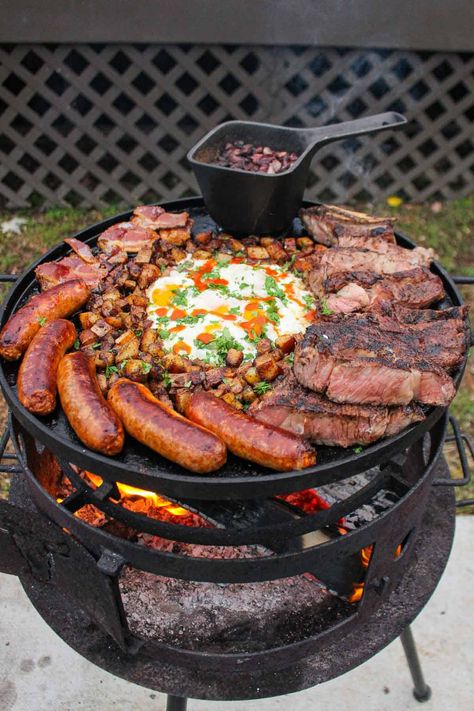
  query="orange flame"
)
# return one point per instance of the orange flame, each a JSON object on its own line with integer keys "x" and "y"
{"x": 155, "y": 500}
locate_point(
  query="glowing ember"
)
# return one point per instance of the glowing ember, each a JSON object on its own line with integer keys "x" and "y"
{"x": 308, "y": 500}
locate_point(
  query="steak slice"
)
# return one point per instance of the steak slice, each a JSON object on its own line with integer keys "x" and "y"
{"x": 328, "y": 224}
{"x": 311, "y": 415}
{"x": 328, "y": 263}
{"x": 416, "y": 288}
{"x": 375, "y": 359}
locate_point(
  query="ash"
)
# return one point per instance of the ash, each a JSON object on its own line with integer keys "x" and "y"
{"x": 226, "y": 617}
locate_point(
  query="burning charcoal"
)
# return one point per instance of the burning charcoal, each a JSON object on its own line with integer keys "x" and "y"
{"x": 255, "y": 159}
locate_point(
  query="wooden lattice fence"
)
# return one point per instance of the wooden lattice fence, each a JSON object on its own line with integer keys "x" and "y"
{"x": 95, "y": 124}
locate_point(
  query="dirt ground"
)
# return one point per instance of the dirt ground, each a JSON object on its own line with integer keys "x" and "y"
{"x": 447, "y": 227}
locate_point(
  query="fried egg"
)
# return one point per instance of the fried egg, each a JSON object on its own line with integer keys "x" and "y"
{"x": 202, "y": 308}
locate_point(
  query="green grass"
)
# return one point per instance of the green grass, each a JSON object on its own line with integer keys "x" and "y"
{"x": 447, "y": 227}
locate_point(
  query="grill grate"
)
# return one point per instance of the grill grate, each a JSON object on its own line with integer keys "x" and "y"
{"x": 101, "y": 124}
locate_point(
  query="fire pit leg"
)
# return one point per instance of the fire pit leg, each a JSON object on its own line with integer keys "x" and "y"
{"x": 422, "y": 691}
{"x": 176, "y": 703}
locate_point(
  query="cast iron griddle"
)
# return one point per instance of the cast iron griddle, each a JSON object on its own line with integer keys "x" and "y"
{"x": 141, "y": 467}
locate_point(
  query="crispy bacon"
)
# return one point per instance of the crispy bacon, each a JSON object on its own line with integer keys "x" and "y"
{"x": 81, "y": 249}
{"x": 154, "y": 217}
{"x": 71, "y": 267}
{"x": 127, "y": 237}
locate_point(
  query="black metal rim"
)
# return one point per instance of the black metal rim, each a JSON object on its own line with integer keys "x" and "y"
{"x": 150, "y": 474}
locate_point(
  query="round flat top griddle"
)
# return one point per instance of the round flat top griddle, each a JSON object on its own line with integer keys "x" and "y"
{"x": 238, "y": 479}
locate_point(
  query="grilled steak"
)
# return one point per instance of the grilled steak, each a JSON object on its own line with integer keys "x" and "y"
{"x": 329, "y": 224}
{"x": 299, "y": 410}
{"x": 378, "y": 359}
{"x": 416, "y": 288}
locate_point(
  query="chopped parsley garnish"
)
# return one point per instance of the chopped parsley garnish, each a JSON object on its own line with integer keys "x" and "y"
{"x": 289, "y": 264}
{"x": 138, "y": 333}
{"x": 146, "y": 367}
{"x": 42, "y": 321}
{"x": 190, "y": 320}
{"x": 221, "y": 344}
{"x": 309, "y": 302}
{"x": 272, "y": 312}
{"x": 77, "y": 344}
{"x": 166, "y": 379}
{"x": 358, "y": 450}
{"x": 324, "y": 308}
{"x": 235, "y": 311}
{"x": 183, "y": 266}
{"x": 262, "y": 387}
{"x": 164, "y": 333}
{"x": 95, "y": 346}
{"x": 180, "y": 298}
{"x": 273, "y": 289}
{"x": 290, "y": 358}
{"x": 123, "y": 364}
{"x": 111, "y": 369}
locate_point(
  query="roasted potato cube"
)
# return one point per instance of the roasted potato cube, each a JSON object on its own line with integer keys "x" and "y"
{"x": 177, "y": 236}
{"x": 235, "y": 386}
{"x": 266, "y": 367}
{"x": 266, "y": 241}
{"x": 264, "y": 346}
{"x": 234, "y": 357}
{"x": 87, "y": 337}
{"x": 114, "y": 321}
{"x": 148, "y": 274}
{"x": 251, "y": 376}
{"x": 202, "y": 254}
{"x": 203, "y": 238}
{"x": 229, "y": 398}
{"x": 149, "y": 336}
{"x": 174, "y": 363}
{"x": 128, "y": 351}
{"x": 156, "y": 349}
{"x": 103, "y": 358}
{"x": 144, "y": 255}
{"x": 289, "y": 243}
{"x": 136, "y": 370}
{"x": 177, "y": 255}
{"x": 111, "y": 295}
{"x": 303, "y": 263}
{"x": 305, "y": 243}
{"x": 88, "y": 319}
{"x": 248, "y": 395}
{"x": 277, "y": 253}
{"x": 257, "y": 253}
{"x": 236, "y": 245}
{"x": 286, "y": 343}
{"x": 124, "y": 338}
{"x": 129, "y": 284}
{"x": 138, "y": 300}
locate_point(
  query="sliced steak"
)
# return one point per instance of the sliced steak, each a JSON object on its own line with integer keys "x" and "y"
{"x": 329, "y": 224}
{"x": 416, "y": 288}
{"x": 374, "y": 358}
{"x": 294, "y": 408}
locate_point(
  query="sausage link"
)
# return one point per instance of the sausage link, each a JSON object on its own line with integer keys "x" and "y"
{"x": 248, "y": 438}
{"x": 58, "y": 302}
{"x": 37, "y": 377}
{"x": 90, "y": 416}
{"x": 167, "y": 432}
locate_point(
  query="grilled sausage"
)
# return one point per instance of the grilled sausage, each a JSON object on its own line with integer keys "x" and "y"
{"x": 90, "y": 416}
{"x": 58, "y": 302}
{"x": 37, "y": 376}
{"x": 248, "y": 438}
{"x": 167, "y": 432}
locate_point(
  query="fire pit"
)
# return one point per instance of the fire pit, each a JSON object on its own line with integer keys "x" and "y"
{"x": 235, "y": 586}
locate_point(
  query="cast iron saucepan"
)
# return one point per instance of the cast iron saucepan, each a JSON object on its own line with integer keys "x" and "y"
{"x": 260, "y": 203}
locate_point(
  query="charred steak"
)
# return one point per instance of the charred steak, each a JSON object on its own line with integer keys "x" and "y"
{"x": 330, "y": 224}
{"x": 294, "y": 408}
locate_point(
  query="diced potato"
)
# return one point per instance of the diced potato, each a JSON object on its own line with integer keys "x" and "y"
{"x": 264, "y": 346}
{"x": 248, "y": 395}
{"x": 203, "y": 238}
{"x": 87, "y": 337}
{"x": 202, "y": 254}
{"x": 88, "y": 319}
{"x": 149, "y": 336}
{"x": 134, "y": 270}
{"x": 229, "y": 398}
{"x": 236, "y": 386}
{"x": 111, "y": 295}
{"x": 144, "y": 255}
{"x": 174, "y": 363}
{"x": 234, "y": 357}
{"x": 251, "y": 376}
{"x": 128, "y": 351}
{"x": 138, "y": 300}
{"x": 124, "y": 338}
{"x": 129, "y": 284}
{"x": 266, "y": 241}
{"x": 266, "y": 367}
{"x": 257, "y": 253}
{"x": 303, "y": 263}
{"x": 104, "y": 358}
{"x": 156, "y": 349}
{"x": 177, "y": 236}
{"x": 305, "y": 243}
{"x": 236, "y": 245}
{"x": 149, "y": 274}
{"x": 289, "y": 243}
{"x": 277, "y": 253}
{"x": 177, "y": 255}
{"x": 136, "y": 370}
{"x": 114, "y": 321}
{"x": 286, "y": 343}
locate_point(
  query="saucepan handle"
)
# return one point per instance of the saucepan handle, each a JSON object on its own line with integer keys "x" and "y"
{"x": 347, "y": 129}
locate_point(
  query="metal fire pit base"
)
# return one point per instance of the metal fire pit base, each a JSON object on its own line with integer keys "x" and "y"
{"x": 430, "y": 556}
